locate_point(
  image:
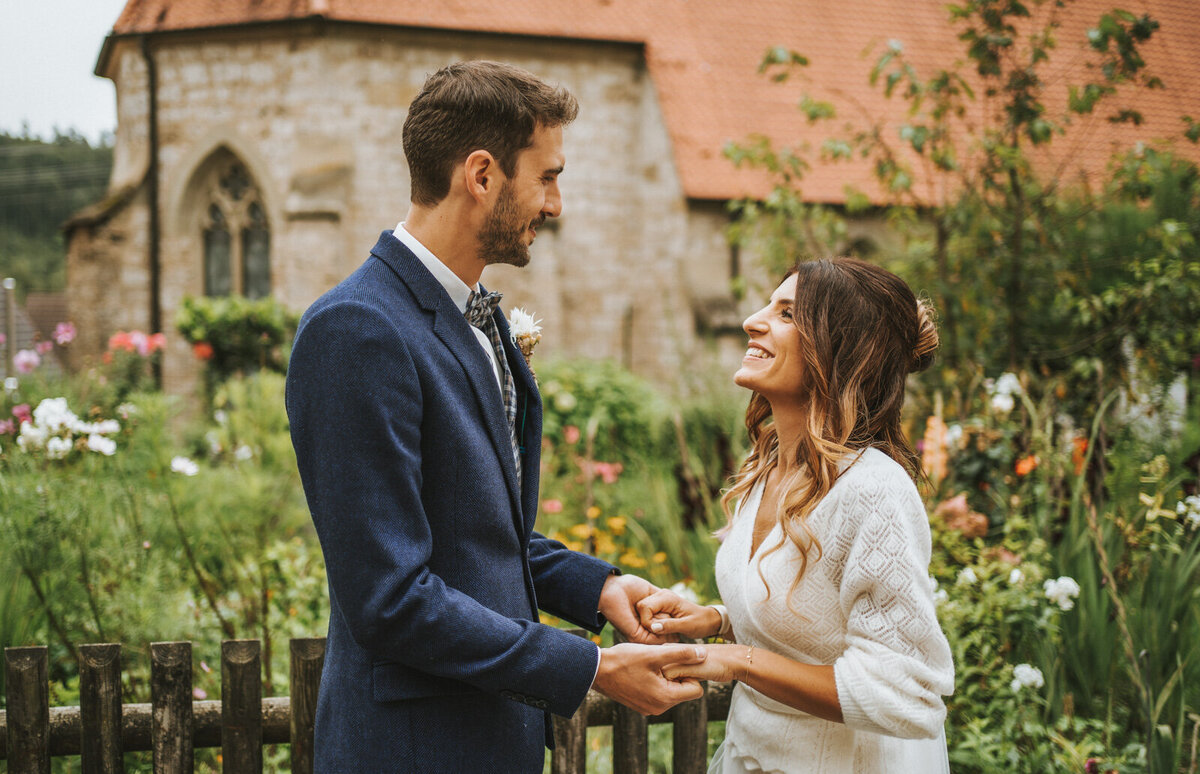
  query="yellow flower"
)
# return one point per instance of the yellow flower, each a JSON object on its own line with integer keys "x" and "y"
{"x": 593, "y": 512}
{"x": 605, "y": 544}
{"x": 660, "y": 557}
{"x": 581, "y": 531}
{"x": 631, "y": 559}
{"x": 617, "y": 525}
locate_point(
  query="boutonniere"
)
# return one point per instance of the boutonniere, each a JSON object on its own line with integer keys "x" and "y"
{"x": 526, "y": 331}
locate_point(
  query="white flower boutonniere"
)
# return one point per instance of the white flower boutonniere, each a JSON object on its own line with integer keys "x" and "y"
{"x": 526, "y": 331}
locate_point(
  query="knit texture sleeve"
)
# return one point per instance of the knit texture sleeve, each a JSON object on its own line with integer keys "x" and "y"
{"x": 897, "y": 664}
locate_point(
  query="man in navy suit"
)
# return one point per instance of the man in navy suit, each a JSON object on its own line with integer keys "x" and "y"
{"x": 418, "y": 434}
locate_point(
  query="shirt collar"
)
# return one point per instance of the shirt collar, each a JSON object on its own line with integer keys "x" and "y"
{"x": 459, "y": 291}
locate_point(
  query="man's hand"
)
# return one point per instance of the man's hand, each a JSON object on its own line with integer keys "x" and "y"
{"x": 618, "y": 603}
{"x": 665, "y": 613}
{"x": 633, "y": 675}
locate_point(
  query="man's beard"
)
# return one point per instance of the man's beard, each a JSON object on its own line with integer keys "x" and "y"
{"x": 500, "y": 239}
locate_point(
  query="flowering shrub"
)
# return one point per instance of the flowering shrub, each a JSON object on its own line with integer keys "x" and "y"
{"x": 234, "y": 335}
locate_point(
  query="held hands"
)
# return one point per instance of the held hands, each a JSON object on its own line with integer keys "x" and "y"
{"x": 665, "y": 613}
{"x": 633, "y": 675}
{"x": 619, "y": 603}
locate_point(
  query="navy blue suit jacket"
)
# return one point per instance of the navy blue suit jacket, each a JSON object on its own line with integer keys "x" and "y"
{"x": 435, "y": 659}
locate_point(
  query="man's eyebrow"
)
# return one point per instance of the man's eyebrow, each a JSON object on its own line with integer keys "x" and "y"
{"x": 556, "y": 170}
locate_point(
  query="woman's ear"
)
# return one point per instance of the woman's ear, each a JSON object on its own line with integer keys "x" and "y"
{"x": 481, "y": 174}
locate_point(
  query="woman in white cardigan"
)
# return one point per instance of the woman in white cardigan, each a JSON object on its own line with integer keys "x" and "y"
{"x": 839, "y": 659}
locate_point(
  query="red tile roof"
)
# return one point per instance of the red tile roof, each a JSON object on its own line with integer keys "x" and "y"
{"x": 703, "y": 55}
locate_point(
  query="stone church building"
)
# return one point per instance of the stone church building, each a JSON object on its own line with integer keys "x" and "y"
{"x": 258, "y": 152}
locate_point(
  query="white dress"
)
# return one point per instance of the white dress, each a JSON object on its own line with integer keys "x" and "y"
{"x": 866, "y": 607}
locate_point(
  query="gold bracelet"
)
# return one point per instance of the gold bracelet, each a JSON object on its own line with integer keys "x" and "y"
{"x": 750, "y": 655}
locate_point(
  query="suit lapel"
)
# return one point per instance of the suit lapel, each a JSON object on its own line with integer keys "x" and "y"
{"x": 454, "y": 331}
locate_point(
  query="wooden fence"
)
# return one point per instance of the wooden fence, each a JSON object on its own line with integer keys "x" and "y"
{"x": 101, "y": 729}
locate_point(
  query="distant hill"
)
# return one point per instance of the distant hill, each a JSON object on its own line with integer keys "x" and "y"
{"x": 43, "y": 183}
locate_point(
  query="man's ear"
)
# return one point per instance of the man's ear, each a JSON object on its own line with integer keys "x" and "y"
{"x": 482, "y": 175}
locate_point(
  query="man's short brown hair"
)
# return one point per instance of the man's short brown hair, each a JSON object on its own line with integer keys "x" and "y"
{"x": 472, "y": 106}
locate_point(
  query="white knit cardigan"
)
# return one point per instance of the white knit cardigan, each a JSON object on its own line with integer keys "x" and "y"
{"x": 866, "y": 607}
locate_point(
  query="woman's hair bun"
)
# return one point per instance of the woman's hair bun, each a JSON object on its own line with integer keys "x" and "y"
{"x": 927, "y": 338}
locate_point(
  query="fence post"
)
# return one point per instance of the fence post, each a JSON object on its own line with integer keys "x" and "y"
{"x": 631, "y": 753}
{"x": 26, "y": 672}
{"x": 570, "y": 737}
{"x": 308, "y": 659}
{"x": 171, "y": 725}
{"x": 100, "y": 709}
{"x": 690, "y": 735}
{"x": 241, "y": 706}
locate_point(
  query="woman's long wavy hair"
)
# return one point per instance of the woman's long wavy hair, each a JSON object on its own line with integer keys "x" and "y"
{"x": 862, "y": 332}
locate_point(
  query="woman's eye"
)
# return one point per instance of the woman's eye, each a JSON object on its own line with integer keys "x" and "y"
{"x": 786, "y": 314}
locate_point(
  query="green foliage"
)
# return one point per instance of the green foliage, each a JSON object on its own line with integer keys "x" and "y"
{"x": 43, "y": 183}
{"x": 236, "y": 335}
{"x": 130, "y": 548}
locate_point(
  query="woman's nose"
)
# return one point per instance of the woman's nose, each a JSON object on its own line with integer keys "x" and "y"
{"x": 755, "y": 323}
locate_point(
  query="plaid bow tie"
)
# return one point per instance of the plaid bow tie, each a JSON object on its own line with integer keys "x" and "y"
{"x": 480, "y": 308}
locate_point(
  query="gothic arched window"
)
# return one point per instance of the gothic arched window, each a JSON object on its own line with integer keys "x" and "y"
{"x": 236, "y": 235}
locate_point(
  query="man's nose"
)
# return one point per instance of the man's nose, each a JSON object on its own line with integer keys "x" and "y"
{"x": 553, "y": 205}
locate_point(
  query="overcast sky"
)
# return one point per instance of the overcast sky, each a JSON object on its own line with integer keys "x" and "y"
{"x": 48, "y": 49}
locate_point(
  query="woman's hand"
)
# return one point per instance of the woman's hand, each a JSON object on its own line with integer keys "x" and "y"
{"x": 724, "y": 664}
{"x": 664, "y": 612}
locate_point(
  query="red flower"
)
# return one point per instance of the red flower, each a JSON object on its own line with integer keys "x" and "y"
{"x": 1025, "y": 465}
{"x": 203, "y": 350}
{"x": 1079, "y": 453}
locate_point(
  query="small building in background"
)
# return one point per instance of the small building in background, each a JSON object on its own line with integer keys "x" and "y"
{"x": 258, "y": 152}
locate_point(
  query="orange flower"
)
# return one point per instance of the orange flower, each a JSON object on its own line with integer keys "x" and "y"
{"x": 1025, "y": 465}
{"x": 1079, "y": 453}
{"x": 933, "y": 449}
{"x": 203, "y": 350}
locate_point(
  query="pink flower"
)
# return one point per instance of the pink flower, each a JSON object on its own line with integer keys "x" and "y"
{"x": 23, "y": 412}
{"x": 43, "y": 347}
{"x": 4, "y": 338}
{"x": 609, "y": 471}
{"x": 199, "y": 693}
{"x": 140, "y": 342}
{"x": 571, "y": 434}
{"x": 8, "y": 427}
{"x": 64, "y": 333}
{"x": 26, "y": 360}
{"x": 552, "y": 506}
{"x": 157, "y": 341}
{"x": 146, "y": 544}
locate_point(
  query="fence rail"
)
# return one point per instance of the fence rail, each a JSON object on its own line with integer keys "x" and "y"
{"x": 102, "y": 728}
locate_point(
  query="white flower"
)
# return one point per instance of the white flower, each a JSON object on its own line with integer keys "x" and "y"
{"x": 954, "y": 436}
{"x": 220, "y": 417}
{"x": 1008, "y": 384}
{"x": 1016, "y": 576}
{"x": 1003, "y": 391}
{"x": 1189, "y": 508}
{"x": 967, "y": 577}
{"x": 940, "y": 596}
{"x": 243, "y": 453}
{"x": 682, "y": 590}
{"x": 1062, "y": 591}
{"x": 1026, "y": 676}
{"x": 102, "y": 445}
{"x": 1002, "y": 403}
{"x": 214, "y": 442}
{"x": 57, "y": 448}
{"x": 565, "y": 401}
{"x": 522, "y": 323}
{"x": 31, "y": 437}
{"x": 11, "y": 384}
{"x": 127, "y": 410}
{"x": 184, "y": 466}
{"x": 53, "y": 415}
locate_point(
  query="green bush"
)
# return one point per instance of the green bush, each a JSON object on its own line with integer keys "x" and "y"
{"x": 235, "y": 335}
